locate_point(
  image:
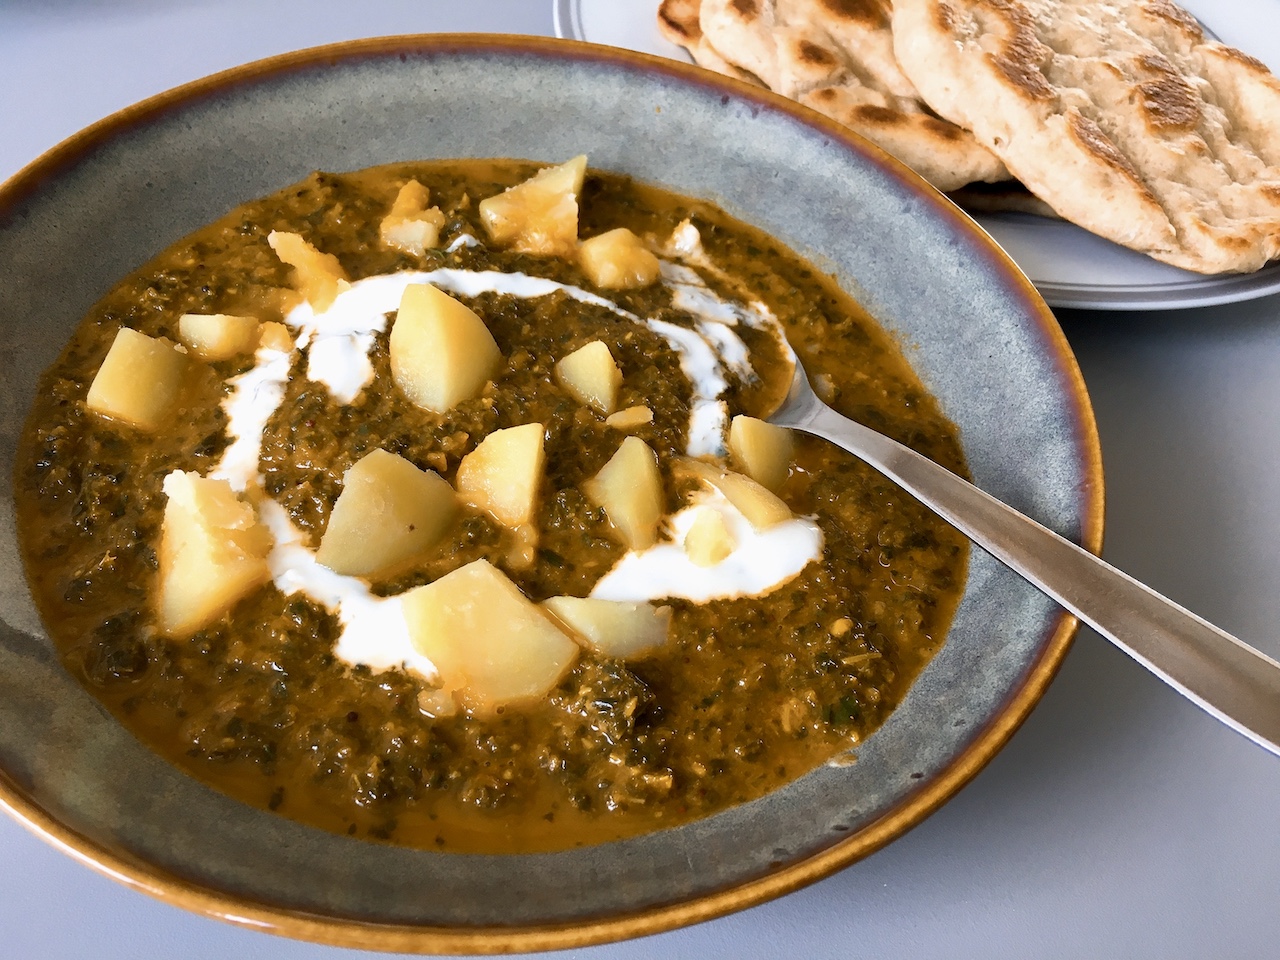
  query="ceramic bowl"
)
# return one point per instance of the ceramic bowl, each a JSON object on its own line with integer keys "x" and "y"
{"x": 108, "y": 199}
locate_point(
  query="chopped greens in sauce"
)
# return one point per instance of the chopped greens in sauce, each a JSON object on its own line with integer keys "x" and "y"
{"x": 748, "y": 687}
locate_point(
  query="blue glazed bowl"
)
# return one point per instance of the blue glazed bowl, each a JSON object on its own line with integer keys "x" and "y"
{"x": 79, "y": 218}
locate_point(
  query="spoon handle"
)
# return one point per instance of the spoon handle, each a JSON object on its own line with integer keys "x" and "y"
{"x": 1228, "y": 678}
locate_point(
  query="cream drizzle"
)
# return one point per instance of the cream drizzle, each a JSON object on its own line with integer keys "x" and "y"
{"x": 374, "y": 632}
{"x": 761, "y": 561}
{"x": 253, "y": 398}
{"x": 341, "y": 336}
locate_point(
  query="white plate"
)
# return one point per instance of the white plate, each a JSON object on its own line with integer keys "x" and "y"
{"x": 1069, "y": 266}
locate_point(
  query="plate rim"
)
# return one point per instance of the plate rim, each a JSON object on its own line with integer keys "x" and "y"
{"x": 1209, "y": 292}
{"x": 170, "y": 887}
{"x": 566, "y": 19}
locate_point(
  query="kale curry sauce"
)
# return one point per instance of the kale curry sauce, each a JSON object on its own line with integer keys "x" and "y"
{"x": 748, "y": 692}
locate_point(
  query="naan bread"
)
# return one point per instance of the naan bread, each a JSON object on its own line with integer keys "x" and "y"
{"x": 1117, "y": 113}
{"x": 835, "y": 56}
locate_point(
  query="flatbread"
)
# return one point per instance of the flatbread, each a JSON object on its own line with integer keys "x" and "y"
{"x": 835, "y": 56}
{"x": 1117, "y": 113}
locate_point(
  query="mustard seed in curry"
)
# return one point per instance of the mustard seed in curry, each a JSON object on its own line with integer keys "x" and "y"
{"x": 426, "y": 504}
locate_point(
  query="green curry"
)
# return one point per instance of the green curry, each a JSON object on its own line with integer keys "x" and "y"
{"x": 747, "y": 693}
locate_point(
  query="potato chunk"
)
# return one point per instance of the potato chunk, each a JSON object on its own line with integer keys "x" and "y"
{"x": 441, "y": 352}
{"x": 539, "y": 216}
{"x": 275, "y": 336}
{"x": 389, "y": 511}
{"x": 763, "y": 451}
{"x": 613, "y": 628}
{"x": 617, "y": 260}
{"x": 708, "y": 540}
{"x": 492, "y": 646}
{"x": 503, "y": 473}
{"x": 139, "y": 381}
{"x": 631, "y": 418}
{"x": 318, "y": 276}
{"x": 629, "y": 488}
{"x": 212, "y": 552}
{"x": 411, "y": 225}
{"x": 218, "y": 336}
{"x": 761, "y": 508}
{"x": 591, "y": 377}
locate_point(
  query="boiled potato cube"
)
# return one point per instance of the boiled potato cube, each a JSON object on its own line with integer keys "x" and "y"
{"x": 411, "y": 225}
{"x": 591, "y": 376}
{"x": 436, "y": 703}
{"x": 218, "y": 336}
{"x": 389, "y": 511}
{"x": 139, "y": 381}
{"x": 410, "y": 199}
{"x": 503, "y": 473}
{"x": 629, "y": 488}
{"x": 441, "y": 352}
{"x": 539, "y": 216}
{"x": 212, "y": 552}
{"x": 762, "y": 450}
{"x": 275, "y": 336}
{"x": 319, "y": 276}
{"x": 761, "y": 507}
{"x": 612, "y": 628}
{"x": 413, "y": 234}
{"x": 708, "y": 540}
{"x": 631, "y": 418}
{"x": 618, "y": 260}
{"x": 492, "y": 646}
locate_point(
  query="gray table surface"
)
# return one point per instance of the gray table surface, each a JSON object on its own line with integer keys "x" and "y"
{"x": 1119, "y": 822}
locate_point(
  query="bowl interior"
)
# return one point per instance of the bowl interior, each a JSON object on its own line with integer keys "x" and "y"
{"x": 80, "y": 218}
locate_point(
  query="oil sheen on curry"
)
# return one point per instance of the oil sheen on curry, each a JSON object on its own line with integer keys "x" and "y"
{"x": 430, "y": 504}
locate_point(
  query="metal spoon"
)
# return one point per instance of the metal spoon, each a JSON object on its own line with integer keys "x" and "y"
{"x": 1228, "y": 678}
